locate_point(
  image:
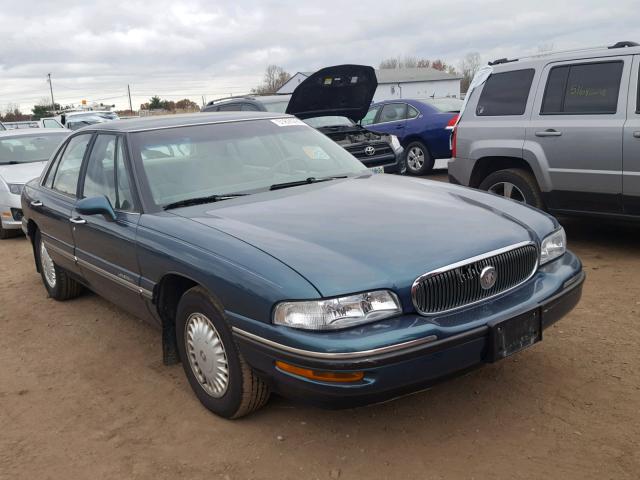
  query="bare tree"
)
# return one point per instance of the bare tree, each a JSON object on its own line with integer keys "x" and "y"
{"x": 468, "y": 67}
{"x": 274, "y": 78}
{"x": 424, "y": 63}
{"x": 410, "y": 61}
{"x": 390, "y": 63}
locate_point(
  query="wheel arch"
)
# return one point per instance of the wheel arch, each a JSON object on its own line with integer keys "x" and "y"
{"x": 32, "y": 227}
{"x": 487, "y": 165}
{"x": 166, "y": 296}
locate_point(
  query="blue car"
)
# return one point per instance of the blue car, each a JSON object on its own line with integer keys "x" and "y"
{"x": 273, "y": 261}
{"x": 422, "y": 126}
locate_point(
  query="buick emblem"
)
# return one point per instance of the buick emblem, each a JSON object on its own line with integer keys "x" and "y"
{"x": 369, "y": 150}
{"x": 488, "y": 277}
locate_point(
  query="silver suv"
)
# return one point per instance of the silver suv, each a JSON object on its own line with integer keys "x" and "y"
{"x": 559, "y": 131}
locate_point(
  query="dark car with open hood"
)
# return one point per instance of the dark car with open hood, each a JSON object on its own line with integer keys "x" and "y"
{"x": 272, "y": 260}
{"x": 333, "y": 100}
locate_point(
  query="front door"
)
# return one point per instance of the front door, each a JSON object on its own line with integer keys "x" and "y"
{"x": 53, "y": 203}
{"x": 392, "y": 119}
{"x": 576, "y": 127}
{"x": 105, "y": 248}
{"x": 631, "y": 145}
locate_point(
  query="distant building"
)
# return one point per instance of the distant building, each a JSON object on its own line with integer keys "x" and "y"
{"x": 401, "y": 83}
{"x": 293, "y": 82}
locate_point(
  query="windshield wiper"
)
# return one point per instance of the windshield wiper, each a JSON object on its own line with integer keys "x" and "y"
{"x": 202, "y": 200}
{"x": 11, "y": 162}
{"x": 306, "y": 181}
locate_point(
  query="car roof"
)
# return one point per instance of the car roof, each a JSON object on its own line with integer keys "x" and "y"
{"x": 506, "y": 65}
{"x": 254, "y": 98}
{"x": 168, "y": 121}
{"x": 33, "y": 132}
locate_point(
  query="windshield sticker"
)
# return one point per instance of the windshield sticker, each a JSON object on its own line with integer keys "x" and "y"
{"x": 287, "y": 122}
{"x": 328, "y": 81}
{"x": 316, "y": 153}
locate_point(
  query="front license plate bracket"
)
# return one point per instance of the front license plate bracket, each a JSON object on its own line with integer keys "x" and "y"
{"x": 512, "y": 335}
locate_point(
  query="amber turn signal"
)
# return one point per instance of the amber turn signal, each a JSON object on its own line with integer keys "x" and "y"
{"x": 338, "y": 377}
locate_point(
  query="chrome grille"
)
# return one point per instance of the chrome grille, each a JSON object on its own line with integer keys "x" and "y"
{"x": 458, "y": 285}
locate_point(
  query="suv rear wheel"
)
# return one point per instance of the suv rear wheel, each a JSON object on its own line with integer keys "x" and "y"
{"x": 514, "y": 184}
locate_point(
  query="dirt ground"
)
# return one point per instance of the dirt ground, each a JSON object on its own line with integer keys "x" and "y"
{"x": 84, "y": 394}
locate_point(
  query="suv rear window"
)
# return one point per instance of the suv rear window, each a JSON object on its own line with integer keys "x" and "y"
{"x": 590, "y": 88}
{"x": 505, "y": 93}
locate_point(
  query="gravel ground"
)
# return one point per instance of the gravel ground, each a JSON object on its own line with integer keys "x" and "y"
{"x": 84, "y": 394}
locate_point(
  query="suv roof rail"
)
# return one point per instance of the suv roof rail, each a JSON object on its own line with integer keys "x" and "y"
{"x": 503, "y": 60}
{"x": 624, "y": 44}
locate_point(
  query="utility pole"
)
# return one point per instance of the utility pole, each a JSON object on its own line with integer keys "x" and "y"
{"x": 53, "y": 103}
{"x": 130, "y": 105}
{"x": 203, "y": 100}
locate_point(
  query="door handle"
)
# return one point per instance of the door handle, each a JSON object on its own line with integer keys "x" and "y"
{"x": 550, "y": 132}
{"x": 636, "y": 134}
{"x": 78, "y": 220}
{"x": 35, "y": 203}
{"x": 398, "y": 127}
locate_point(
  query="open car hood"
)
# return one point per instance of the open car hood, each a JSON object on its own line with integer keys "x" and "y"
{"x": 342, "y": 90}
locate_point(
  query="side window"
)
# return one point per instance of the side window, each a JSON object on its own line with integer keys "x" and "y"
{"x": 392, "y": 112}
{"x": 68, "y": 170}
{"x": 50, "y": 123}
{"x": 590, "y": 88}
{"x": 106, "y": 173}
{"x": 248, "y": 107}
{"x": 52, "y": 169}
{"x": 230, "y": 107}
{"x": 370, "y": 117}
{"x": 412, "y": 112}
{"x": 124, "y": 194}
{"x": 505, "y": 93}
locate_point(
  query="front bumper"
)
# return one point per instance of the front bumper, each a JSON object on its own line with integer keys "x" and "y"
{"x": 11, "y": 214}
{"x": 446, "y": 348}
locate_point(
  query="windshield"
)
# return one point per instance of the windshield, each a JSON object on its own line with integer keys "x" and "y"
{"x": 29, "y": 148}
{"x": 329, "y": 121}
{"x": 277, "y": 107}
{"x": 445, "y": 104}
{"x": 240, "y": 157}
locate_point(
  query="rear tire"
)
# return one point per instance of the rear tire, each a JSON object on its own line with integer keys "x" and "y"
{"x": 57, "y": 281}
{"x": 515, "y": 184}
{"x": 418, "y": 159}
{"x": 218, "y": 374}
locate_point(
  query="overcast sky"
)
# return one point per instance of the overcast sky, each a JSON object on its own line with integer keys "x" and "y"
{"x": 176, "y": 49}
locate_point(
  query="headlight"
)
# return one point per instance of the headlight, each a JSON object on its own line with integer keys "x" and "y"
{"x": 335, "y": 313}
{"x": 553, "y": 246}
{"x": 395, "y": 143}
{"x": 16, "y": 188}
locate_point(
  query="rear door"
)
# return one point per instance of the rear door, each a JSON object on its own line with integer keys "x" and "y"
{"x": 106, "y": 248}
{"x": 576, "y": 127}
{"x": 631, "y": 145}
{"x": 53, "y": 204}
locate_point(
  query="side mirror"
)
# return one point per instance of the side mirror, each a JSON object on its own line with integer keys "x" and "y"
{"x": 96, "y": 206}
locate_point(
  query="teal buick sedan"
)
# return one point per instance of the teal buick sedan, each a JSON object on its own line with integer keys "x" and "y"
{"x": 273, "y": 261}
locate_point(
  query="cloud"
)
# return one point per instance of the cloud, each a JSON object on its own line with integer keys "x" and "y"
{"x": 197, "y": 47}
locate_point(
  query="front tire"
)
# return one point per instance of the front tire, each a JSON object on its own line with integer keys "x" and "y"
{"x": 515, "y": 184}
{"x": 57, "y": 281}
{"x": 215, "y": 368}
{"x": 418, "y": 159}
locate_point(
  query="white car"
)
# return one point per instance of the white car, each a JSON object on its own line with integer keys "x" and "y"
{"x": 23, "y": 155}
{"x": 76, "y": 120}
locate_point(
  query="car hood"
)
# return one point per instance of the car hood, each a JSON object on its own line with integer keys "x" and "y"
{"x": 343, "y": 90}
{"x": 21, "y": 172}
{"x": 379, "y": 231}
